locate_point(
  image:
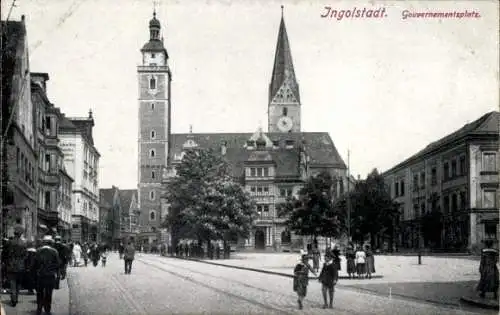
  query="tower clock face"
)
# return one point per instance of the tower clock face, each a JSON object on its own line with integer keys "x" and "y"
{"x": 285, "y": 124}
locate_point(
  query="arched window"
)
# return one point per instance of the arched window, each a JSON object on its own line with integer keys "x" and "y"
{"x": 153, "y": 174}
{"x": 152, "y": 106}
{"x": 153, "y": 134}
{"x": 152, "y": 83}
{"x": 152, "y": 216}
{"x": 152, "y": 153}
{"x": 285, "y": 111}
{"x": 152, "y": 195}
{"x": 286, "y": 237}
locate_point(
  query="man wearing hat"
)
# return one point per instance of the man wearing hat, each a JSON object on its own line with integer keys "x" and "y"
{"x": 16, "y": 255}
{"x": 47, "y": 264}
{"x": 63, "y": 255}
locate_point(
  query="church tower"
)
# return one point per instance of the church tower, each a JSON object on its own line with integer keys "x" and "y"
{"x": 154, "y": 79}
{"x": 284, "y": 98}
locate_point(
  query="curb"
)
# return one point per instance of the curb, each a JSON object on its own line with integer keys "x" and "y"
{"x": 479, "y": 303}
{"x": 254, "y": 269}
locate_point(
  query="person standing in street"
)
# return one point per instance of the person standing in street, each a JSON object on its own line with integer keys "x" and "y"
{"x": 301, "y": 278}
{"x": 488, "y": 270}
{"x": 16, "y": 263}
{"x": 77, "y": 254}
{"x": 328, "y": 277}
{"x": 121, "y": 248}
{"x": 128, "y": 257}
{"x": 29, "y": 274}
{"x": 63, "y": 253}
{"x": 360, "y": 262}
{"x": 47, "y": 268}
{"x": 350, "y": 256}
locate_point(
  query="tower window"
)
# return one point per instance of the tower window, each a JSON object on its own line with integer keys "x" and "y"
{"x": 152, "y": 106}
{"x": 153, "y": 175}
{"x": 285, "y": 111}
{"x": 153, "y": 55}
{"x": 153, "y": 134}
{"x": 152, "y": 83}
{"x": 152, "y": 216}
{"x": 152, "y": 153}
{"x": 152, "y": 195}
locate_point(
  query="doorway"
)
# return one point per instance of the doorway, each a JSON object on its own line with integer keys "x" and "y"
{"x": 260, "y": 239}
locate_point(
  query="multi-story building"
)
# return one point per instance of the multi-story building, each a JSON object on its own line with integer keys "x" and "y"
{"x": 271, "y": 166}
{"x": 54, "y": 207}
{"x": 154, "y": 128}
{"x": 81, "y": 160}
{"x": 18, "y": 125}
{"x": 458, "y": 176}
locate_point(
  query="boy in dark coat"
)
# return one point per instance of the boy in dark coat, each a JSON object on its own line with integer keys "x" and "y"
{"x": 328, "y": 277}
{"x": 301, "y": 278}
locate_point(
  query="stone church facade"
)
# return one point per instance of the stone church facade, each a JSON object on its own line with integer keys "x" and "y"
{"x": 270, "y": 165}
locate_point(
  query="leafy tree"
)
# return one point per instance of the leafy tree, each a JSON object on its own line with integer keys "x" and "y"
{"x": 432, "y": 225}
{"x": 372, "y": 209}
{"x": 205, "y": 203}
{"x": 312, "y": 213}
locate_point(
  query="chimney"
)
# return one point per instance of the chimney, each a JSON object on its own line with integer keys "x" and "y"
{"x": 223, "y": 148}
{"x": 41, "y": 79}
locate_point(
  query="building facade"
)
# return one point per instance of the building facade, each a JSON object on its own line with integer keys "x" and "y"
{"x": 19, "y": 176}
{"x": 270, "y": 165}
{"x": 54, "y": 211}
{"x": 81, "y": 160}
{"x": 154, "y": 79}
{"x": 457, "y": 176}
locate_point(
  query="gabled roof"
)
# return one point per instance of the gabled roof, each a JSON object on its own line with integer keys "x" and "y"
{"x": 283, "y": 70}
{"x": 317, "y": 145}
{"x": 488, "y": 124}
{"x": 126, "y": 196}
{"x": 66, "y": 125}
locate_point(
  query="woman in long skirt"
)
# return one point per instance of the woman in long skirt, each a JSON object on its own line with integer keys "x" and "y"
{"x": 301, "y": 278}
{"x": 350, "y": 256}
{"x": 77, "y": 254}
{"x": 370, "y": 262}
{"x": 488, "y": 271}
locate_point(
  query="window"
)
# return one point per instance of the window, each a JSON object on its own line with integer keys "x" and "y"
{"x": 463, "y": 200}
{"x": 152, "y": 106}
{"x": 453, "y": 169}
{"x": 415, "y": 182}
{"x": 462, "y": 166}
{"x": 422, "y": 179}
{"x": 490, "y": 230}
{"x": 489, "y": 199}
{"x": 152, "y": 216}
{"x": 489, "y": 162}
{"x": 152, "y": 195}
{"x": 252, "y": 171}
{"x": 286, "y": 192}
{"x": 253, "y": 189}
{"x": 446, "y": 204}
{"x": 260, "y": 171}
{"x": 433, "y": 176}
{"x": 259, "y": 189}
{"x": 415, "y": 210}
{"x": 153, "y": 134}
{"x": 396, "y": 188}
{"x": 153, "y": 55}
{"x": 454, "y": 203}
{"x": 266, "y": 189}
{"x": 266, "y": 172}
{"x": 18, "y": 155}
{"x": 286, "y": 237}
{"x": 402, "y": 187}
{"x": 422, "y": 209}
{"x": 152, "y": 83}
{"x": 152, "y": 153}
{"x": 285, "y": 111}
{"x": 446, "y": 171}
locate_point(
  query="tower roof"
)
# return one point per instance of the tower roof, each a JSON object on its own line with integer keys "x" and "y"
{"x": 283, "y": 65}
{"x": 155, "y": 43}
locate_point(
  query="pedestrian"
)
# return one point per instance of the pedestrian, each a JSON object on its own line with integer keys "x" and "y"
{"x": 370, "y": 262}
{"x": 120, "y": 250}
{"x": 104, "y": 257}
{"x": 128, "y": 257}
{"x": 350, "y": 256}
{"x": 47, "y": 266}
{"x": 360, "y": 262}
{"x": 301, "y": 278}
{"x": 63, "y": 254}
{"x": 77, "y": 254}
{"x": 316, "y": 256}
{"x": 29, "y": 274}
{"x": 328, "y": 277}
{"x": 16, "y": 263}
{"x": 488, "y": 270}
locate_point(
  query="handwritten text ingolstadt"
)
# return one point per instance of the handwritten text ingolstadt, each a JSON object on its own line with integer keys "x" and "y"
{"x": 354, "y": 13}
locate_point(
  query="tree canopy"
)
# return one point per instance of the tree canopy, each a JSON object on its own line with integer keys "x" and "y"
{"x": 312, "y": 213}
{"x": 205, "y": 202}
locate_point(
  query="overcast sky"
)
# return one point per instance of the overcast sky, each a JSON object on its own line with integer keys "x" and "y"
{"x": 383, "y": 88}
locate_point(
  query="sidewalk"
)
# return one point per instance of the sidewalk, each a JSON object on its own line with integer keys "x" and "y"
{"x": 441, "y": 280}
{"x": 27, "y": 303}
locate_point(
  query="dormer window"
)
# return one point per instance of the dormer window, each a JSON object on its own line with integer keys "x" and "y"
{"x": 276, "y": 143}
{"x": 289, "y": 144}
{"x": 261, "y": 144}
{"x": 250, "y": 143}
{"x": 152, "y": 83}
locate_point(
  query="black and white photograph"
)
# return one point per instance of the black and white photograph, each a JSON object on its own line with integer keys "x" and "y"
{"x": 249, "y": 157}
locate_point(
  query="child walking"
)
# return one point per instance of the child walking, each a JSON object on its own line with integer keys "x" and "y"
{"x": 301, "y": 278}
{"x": 328, "y": 277}
{"x": 104, "y": 255}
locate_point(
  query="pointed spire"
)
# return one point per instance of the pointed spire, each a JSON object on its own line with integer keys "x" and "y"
{"x": 283, "y": 65}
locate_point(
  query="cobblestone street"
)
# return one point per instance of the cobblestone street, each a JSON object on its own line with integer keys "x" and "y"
{"x": 160, "y": 285}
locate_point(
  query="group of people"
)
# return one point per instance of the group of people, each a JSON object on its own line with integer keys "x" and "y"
{"x": 360, "y": 262}
{"x": 34, "y": 267}
{"x": 88, "y": 251}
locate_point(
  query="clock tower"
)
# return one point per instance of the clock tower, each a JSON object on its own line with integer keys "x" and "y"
{"x": 284, "y": 98}
{"x": 154, "y": 79}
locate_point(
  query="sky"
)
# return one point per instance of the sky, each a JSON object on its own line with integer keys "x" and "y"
{"x": 383, "y": 88}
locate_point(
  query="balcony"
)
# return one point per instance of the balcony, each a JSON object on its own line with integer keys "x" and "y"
{"x": 152, "y": 68}
{"x": 51, "y": 142}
